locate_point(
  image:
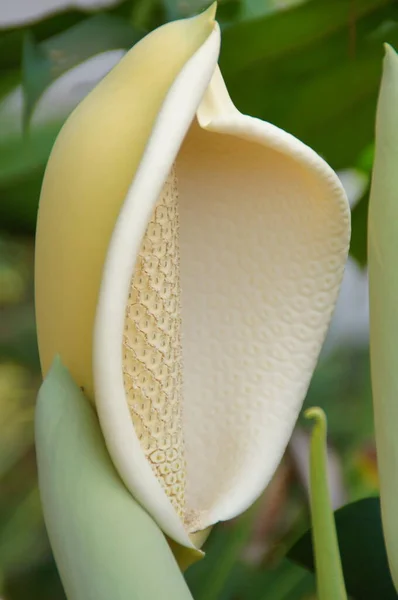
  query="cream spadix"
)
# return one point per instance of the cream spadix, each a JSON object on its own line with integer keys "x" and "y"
{"x": 188, "y": 261}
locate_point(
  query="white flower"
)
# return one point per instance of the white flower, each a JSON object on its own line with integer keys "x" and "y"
{"x": 188, "y": 260}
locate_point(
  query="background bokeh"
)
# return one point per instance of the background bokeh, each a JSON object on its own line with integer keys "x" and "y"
{"x": 311, "y": 67}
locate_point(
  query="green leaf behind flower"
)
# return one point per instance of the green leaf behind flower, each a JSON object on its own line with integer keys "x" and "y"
{"x": 362, "y": 550}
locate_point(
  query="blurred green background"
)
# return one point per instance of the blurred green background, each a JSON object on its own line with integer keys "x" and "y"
{"x": 311, "y": 67}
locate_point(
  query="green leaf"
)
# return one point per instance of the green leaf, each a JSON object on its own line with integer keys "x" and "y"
{"x": 210, "y": 579}
{"x": 359, "y": 226}
{"x": 12, "y": 40}
{"x": 23, "y": 542}
{"x": 362, "y": 550}
{"x": 175, "y": 9}
{"x": 8, "y": 81}
{"x": 21, "y": 157}
{"x": 285, "y": 581}
{"x": 252, "y": 8}
{"x": 44, "y": 63}
{"x": 142, "y": 14}
{"x": 40, "y": 583}
{"x": 19, "y": 200}
{"x": 36, "y": 75}
{"x": 225, "y": 575}
{"x": 281, "y": 34}
{"x": 105, "y": 545}
{"x": 18, "y": 339}
{"x": 312, "y": 70}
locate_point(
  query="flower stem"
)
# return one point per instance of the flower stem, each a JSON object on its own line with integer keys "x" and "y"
{"x": 329, "y": 572}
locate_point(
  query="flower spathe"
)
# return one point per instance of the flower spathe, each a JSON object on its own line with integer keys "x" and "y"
{"x": 188, "y": 261}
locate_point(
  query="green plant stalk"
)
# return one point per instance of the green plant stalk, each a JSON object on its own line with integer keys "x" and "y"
{"x": 329, "y": 572}
{"x": 105, "y": 545}
{"x": 383, "y": 288}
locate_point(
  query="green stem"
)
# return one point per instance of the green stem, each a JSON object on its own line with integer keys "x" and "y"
{"x": 329, "y": 572}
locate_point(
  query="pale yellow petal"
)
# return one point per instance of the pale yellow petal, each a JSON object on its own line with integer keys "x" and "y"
{"x": 89, "y": 172}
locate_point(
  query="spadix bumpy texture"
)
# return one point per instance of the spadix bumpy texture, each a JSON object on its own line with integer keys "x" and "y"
{"x": 152, "y": 352}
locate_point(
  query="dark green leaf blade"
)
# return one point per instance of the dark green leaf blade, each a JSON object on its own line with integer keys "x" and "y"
{"x": 213, "y": 578}
{"x": 43, "y": 63}
{"x": 36, "y": 75}
{"x": 313, "y": 71}
{"x": 362, "y": 550}
{"x": 280, "y": 34}
{"x": 284, "y": 581}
